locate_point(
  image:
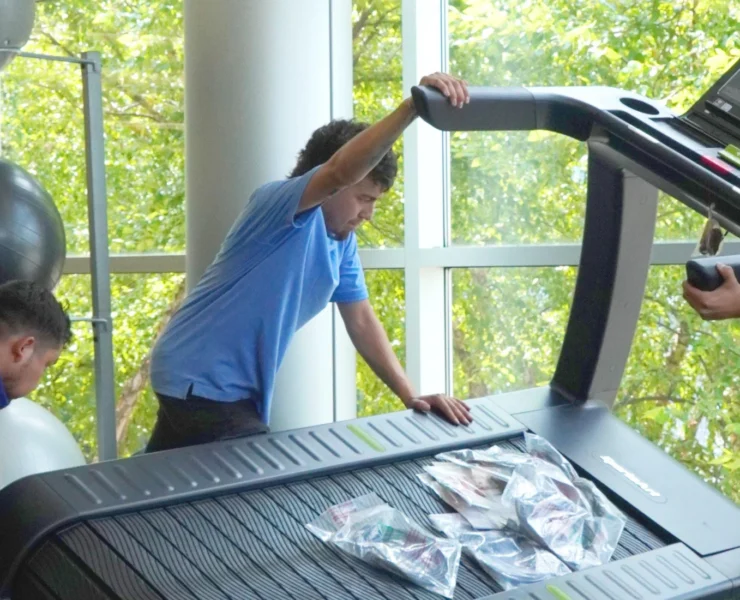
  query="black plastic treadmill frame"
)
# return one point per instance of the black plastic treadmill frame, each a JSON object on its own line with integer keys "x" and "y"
{"x": 62, "y": 498}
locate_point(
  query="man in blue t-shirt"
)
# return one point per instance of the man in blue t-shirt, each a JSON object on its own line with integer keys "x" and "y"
{"x": 291, "y": 251}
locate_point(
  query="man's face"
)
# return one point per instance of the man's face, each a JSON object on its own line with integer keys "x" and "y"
{"x": 24, "y": 361}
{"x": 346, "y": 211}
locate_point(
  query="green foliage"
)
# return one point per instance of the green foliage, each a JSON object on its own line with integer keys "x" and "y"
{"x": 508, "y": 325}
{"x": 388, "y": 295}
{"x": 376, "y": 35}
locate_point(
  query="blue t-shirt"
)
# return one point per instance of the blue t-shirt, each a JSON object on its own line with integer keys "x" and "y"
{"x": 4, "y": 400}
{"x": 274, "y": 272}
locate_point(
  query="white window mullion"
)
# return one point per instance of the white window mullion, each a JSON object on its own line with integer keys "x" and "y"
{"x": 344, "y": 354}
{"x": 424, "y": 204}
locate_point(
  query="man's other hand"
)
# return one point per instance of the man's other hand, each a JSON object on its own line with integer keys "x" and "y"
{"x": 722, "y": 303}
{"x": 452, "y": 409}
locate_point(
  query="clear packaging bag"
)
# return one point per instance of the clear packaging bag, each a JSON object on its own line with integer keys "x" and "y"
{"x": 476, "y": 517}
{"x": 474, "y": 485}
{"x": 382, "y": 536}
{"x": 512, "y": 559}
{"x": 452, "y": 525}
{"x": 543, "y": 498}
{"x": 592, "y": 497}
{"x": 507, "y": 556}
{"x": 540, "y": 448}
{"x": 564, "y": 512}
{"x": 499, "y": 463}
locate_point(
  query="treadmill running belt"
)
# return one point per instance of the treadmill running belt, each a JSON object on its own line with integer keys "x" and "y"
{"x": 251, "y": 545}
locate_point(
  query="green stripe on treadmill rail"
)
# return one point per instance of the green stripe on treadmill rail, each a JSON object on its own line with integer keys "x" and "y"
{"x": 558, "y": 593}
{"x": 732, "y": 149}
{"x": 730, "y": 157}
{"x": 367, "y": 438}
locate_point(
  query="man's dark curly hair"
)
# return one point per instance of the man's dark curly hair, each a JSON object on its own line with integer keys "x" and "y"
{"x": 27, "y": 308}
{"x": 326, "y": 140}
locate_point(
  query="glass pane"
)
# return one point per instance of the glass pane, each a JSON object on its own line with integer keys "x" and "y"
{"x": 43, "y": 125}
{"x": 504, "y": 190}
{"x": 378, "y": 89}
{"x": 677, "y": 222}
{"x": 680, "y": 389}
{"x": 517, "y": 188}
{"x": 139, "y": 304}
{"x": 507, "y": 327}
{"x": 388, "y": 296}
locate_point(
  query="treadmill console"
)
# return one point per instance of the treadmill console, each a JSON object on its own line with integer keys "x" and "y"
{"x": 716, "y": 117}
{"x": 721, "y": 104}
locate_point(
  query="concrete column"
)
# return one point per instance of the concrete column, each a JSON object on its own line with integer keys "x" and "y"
{"x": 258, "y": 79}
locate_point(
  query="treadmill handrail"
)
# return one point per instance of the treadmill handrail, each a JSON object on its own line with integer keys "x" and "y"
{"x": 566, "y": 110}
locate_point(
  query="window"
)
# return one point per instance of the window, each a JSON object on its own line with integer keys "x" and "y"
{"x": 387, "y": 294}
{"x": 680, "y": 389}
{"x": 139, "y": 304}
{"x": 376, "y": 42}
{"x": 527, "y": 188}
{"x": 517, "y": 188}
{"x": 507, "y": 327}
{"x": 43, "y": 129}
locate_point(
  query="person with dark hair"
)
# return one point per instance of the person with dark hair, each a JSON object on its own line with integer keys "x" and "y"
{"x": 34, "y": 328}
{"x": 291, "y": 251}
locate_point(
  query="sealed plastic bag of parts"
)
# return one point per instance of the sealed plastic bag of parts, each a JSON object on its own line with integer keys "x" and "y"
{"x": 382, "y": 536}
{"x": 541, "y": 448}
{"x": 565, "y": 513}
{"x": 476, "y": 517}
{"x": 452, "y": 525}
{"x": 499, "y": 463}
{"x": 474, "y": 485}
{"x": 550, "y": 503}
{"x": 510, "y": 558}
{"x": 593, "y": 497}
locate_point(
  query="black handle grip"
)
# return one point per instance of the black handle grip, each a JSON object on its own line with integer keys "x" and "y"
{"x": 492, "y": 109}
{"x": 702, "y": 272}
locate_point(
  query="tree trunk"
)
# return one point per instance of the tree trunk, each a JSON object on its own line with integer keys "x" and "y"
{"x": 137, "y": 383}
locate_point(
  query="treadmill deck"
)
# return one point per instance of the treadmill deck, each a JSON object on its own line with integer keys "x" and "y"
{"x": 252, "y": 545}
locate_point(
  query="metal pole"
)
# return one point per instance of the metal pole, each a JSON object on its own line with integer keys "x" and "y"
{"x": 99, "y": 266}
{"x": 50, "y": 57}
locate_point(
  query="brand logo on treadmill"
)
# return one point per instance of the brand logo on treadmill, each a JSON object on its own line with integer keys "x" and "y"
{"x": 631, "y": 476}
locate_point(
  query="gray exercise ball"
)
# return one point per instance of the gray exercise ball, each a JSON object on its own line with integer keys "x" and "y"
{"x": 16, "y": 23}
{"x": 32, "y": 241}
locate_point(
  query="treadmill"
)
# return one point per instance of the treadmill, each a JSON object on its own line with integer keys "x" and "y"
{"x": 227, "y": 520}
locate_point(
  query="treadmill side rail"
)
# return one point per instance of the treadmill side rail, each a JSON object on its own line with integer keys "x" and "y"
{"x": 729, "y": 564}
{"x": 669, "y": 573}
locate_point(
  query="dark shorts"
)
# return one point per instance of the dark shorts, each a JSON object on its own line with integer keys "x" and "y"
{"x": 200, "y": 421}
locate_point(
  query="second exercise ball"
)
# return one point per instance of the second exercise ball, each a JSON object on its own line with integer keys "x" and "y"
{"x": 32, "y": 241}
{"x": 16, "y": 24}
{"x": 33, "y": 440}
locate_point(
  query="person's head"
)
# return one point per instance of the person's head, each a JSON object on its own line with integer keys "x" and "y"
{"x": 33, "y": 330}
{"x": 348, "y": 209}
